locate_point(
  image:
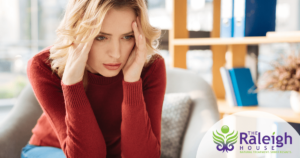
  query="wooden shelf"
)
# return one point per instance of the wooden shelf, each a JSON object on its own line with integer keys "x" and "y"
{"x": 236, "y": 48}
{"x": 232, "y": 41}
{"x": 286, "y": 114}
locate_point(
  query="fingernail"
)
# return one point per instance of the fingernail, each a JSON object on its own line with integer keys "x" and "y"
{"x": 135, "y": 24}
{"x": 140, "y": 36}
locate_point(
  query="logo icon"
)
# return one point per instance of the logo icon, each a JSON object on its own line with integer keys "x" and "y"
{"x": 225, "y": 141}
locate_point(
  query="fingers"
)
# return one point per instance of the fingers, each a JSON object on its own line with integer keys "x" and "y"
{"x": 136, "y": 32}
{"x": 90, "y": 42}
{"x": 141, "y": 41}
{"x": 142, "y": 38}
{"x": 80, "y": 38}
{"x": 86, "y": 46}
{"x": 139, "y": 26}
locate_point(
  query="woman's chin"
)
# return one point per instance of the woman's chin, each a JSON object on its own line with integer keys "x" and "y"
{"x": 110, "y": 73}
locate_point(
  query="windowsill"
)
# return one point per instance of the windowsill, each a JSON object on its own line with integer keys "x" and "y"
{"x": 7, "y": 102}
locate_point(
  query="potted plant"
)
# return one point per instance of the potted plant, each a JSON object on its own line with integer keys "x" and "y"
{"x": 284, "y": 76}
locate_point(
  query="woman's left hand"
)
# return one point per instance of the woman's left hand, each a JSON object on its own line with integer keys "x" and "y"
{"x": 136, "y": 60}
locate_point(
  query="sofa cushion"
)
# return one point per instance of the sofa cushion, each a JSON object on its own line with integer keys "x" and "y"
{"x": 175, "y": 115}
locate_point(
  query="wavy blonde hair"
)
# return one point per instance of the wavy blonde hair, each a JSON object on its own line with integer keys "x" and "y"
{"x": 81, "y": 16}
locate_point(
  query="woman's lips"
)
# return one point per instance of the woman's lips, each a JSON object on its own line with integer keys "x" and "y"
{"x": 112, "y": 67}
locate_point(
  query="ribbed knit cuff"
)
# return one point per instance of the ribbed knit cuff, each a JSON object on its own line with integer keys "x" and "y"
{"x": 133, "y": 92}
{"x": 74, "y": 94}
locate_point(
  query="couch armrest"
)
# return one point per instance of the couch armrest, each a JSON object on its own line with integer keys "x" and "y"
{"x": 15, "y": 129}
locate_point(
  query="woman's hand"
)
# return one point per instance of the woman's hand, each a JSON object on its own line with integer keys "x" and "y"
{"x": 136, "y": 60}
{"x": 76, "y": 62}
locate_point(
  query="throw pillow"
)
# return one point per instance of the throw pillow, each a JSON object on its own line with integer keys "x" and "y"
{"x": 175, "y": 114}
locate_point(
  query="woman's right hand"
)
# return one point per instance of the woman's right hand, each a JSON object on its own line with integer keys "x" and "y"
{"x": 76, "y": 62}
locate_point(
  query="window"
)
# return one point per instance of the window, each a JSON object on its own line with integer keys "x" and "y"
{"x": 27, "y": 26}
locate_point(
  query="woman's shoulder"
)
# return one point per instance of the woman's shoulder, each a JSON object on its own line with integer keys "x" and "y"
{"x": 41, "y": 59}
{"x": 156, "y": 64}
{"x": 153, "y": 59}
{"x": 39, "y": 65}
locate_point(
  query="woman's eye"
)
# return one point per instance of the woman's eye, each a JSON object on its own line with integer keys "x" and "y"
{"x": 100, "y": 38}
{"x": 128, "y": 37}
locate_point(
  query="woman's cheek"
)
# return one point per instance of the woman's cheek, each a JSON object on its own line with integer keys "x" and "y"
{"x": 129, "y": 46}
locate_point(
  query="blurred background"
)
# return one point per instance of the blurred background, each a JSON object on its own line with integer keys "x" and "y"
{"x": 28, "y": 26}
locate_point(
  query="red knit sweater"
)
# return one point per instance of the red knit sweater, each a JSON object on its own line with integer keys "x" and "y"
{"x": 112, "y": 119}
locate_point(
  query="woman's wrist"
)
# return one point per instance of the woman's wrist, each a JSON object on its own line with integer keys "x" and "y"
{"x": 131, "y": 79}
{"x": 70, "y": 80}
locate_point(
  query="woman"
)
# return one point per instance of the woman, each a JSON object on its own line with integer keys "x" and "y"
{"x": 101, "y": 85}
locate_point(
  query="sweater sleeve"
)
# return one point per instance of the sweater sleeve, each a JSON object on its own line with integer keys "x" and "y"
{"x": 69, "y": 112}
{"x": 141, "y": 114}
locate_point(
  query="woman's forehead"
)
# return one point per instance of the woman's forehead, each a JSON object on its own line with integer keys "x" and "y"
{"x": 118, "y": 21}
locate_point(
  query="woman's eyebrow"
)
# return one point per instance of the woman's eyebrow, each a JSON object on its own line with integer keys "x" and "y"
{"x": 110, "y": 34}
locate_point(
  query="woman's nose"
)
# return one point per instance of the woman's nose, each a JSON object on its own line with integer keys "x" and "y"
{"x": 115, "y": 50}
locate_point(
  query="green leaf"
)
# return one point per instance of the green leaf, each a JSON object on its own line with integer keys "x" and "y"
{"x": 230, "y": 134}
{"x": 219, "y": 139}
{"x": 232, "y": 138}
{"x": 220, "y": 134}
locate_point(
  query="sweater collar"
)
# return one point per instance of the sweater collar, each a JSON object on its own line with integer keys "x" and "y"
{"x": 101, "y": 80}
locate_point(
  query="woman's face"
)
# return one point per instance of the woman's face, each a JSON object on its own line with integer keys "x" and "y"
{"x": 114, "y": 43}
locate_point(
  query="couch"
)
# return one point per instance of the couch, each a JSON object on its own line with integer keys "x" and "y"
{"x": 15, "y": 129}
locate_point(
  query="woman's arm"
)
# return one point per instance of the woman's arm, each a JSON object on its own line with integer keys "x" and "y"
{"x": 141, "y": 114}
{"x": 69, "y": 112}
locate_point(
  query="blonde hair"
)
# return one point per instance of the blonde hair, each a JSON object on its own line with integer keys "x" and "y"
{"x": 81, "y": 16}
